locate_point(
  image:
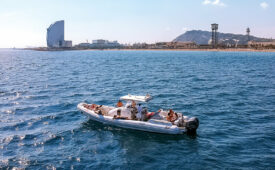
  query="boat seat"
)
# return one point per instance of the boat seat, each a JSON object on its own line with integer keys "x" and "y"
{"x": 106, "y": 109}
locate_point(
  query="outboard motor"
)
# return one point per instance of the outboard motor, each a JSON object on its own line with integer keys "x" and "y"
{"x": 191, "y": 125}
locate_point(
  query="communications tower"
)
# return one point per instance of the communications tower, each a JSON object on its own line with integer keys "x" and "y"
{"x": 214, "y": 41}
{"x": 248, "y": 33}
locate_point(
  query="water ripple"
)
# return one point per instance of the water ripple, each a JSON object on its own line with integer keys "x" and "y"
{"x": 231, "y": 93}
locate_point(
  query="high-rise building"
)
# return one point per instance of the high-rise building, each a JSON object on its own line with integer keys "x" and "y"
{"x": 55, "y": 36}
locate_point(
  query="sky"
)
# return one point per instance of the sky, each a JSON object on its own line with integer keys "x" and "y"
{"x": 24, "y": 23}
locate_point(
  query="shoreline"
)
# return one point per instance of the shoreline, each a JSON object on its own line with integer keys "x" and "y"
{"x": 189, "y": 49}
{"x": 210, "y": 50}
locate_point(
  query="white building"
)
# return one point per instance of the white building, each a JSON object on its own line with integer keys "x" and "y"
{"x": 100, "y": 41}
{"x": 55, "y": 36}
{"x": 100, "y": 44}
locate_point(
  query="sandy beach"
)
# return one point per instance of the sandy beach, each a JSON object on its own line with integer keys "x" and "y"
{"x": 192, "y": 49}
{"x": 218, "y": 50}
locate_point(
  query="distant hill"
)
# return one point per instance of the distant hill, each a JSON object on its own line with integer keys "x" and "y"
{"x": 204, "y": 37}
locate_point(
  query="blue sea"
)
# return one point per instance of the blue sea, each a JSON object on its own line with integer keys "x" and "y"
{"x": 231, "y": 93}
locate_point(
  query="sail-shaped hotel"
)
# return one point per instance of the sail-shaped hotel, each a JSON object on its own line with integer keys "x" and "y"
{"x": 55, "y": 36}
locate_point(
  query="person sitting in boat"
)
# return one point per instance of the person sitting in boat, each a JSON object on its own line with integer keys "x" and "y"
{"x": 98, "y": 110}
{"x": 93, "y": 106}
{"x": 119, "y": 104}
{"x": 144, "y": 113}
{"x": 134, "y": 104}
{"x": 157, "y": 115}
{"x": 134, "y": 111}
{"x": 172, "y": 116}
{"x": 118, "y": 114}
{"x": 88, "y": 106}
{"x": 139, "y": 109}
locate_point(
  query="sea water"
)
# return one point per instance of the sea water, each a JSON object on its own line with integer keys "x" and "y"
{"x": 231, "y": 93}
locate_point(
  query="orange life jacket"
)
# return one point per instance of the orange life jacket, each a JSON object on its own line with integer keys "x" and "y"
{"x": 119, "y": 104}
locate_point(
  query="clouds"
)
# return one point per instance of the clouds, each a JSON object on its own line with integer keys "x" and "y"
{"x": 213, "y": 2}
{"x": 264, "y": 5}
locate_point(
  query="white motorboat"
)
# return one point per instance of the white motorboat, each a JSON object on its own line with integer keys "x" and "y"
{"x": 150, "y": 121}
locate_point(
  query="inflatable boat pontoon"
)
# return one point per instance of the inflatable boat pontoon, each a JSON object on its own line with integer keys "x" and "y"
{"x": 151, "y": 122}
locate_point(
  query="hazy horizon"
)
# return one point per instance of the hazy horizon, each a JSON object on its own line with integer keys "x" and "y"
{"x": 24, "y": 23}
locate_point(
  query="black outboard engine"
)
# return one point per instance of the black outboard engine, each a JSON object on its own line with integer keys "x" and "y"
{"x": 191, "y": 125}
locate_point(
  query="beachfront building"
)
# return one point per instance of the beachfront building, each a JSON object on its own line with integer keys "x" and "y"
{"x": 175, "y": 45}
{"x": 267, "y": 44}
{"x": 182, "y": 45}
{"x": 55, "y": 36}
{"x": 105, "y": 44}
{"x": 100, "y": 44}
{"x": 140, "y": 46}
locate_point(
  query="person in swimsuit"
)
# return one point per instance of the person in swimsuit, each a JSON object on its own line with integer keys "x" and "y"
{"x": 172, "y": 116}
